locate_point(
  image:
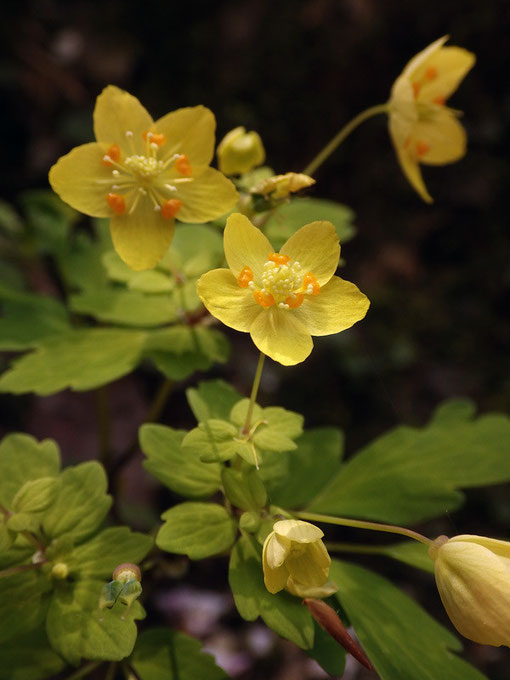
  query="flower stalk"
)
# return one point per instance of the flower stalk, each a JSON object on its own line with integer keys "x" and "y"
{"x": 361, "y": 524}
{"x": 343, "y": 133}
{"x": 254, "y": 392}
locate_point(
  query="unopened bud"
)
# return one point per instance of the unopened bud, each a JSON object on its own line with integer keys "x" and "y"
{"x": 127, "y": 572}
{"x": 59, "y": 571}
{"x": 240, "y": 151}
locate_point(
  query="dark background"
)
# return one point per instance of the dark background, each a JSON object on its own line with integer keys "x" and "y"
{"x": 296, "y": 71}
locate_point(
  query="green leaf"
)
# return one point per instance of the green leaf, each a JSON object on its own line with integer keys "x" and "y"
{"x": 412, "y": 474}
{"x": 29, "y": 657}
{"x": 163, "y": 654}
{"x": 78, "y": 629}
{"x": 244, "y": 488}
{"x": 23, "y": 602}
{"x": 23, "y": 459}
{"x": 402, "y": 641}
{"x": 300, "y": 211}
{"x": 10, "y": 221}
{"x": 179, "y": 469}
{"x": 98, "y": 557}
{"x": 81, "y": 360}
{"x": 181, "y": 350}
{"x": 410, "y": 552}
{"x": 35, "y": 495}
{"x": 27, "y": 319}
{"x": 295, "y": 478}
{"x": 276, "y": 428}
{"x": 212, "y": 399}
{"x": 81, "y": 502}
{"x": 48, "y": 217}
{"x": 327, "y": 652}
{"x": 195, "y": 249}
{"x": 282, "y": 612}
{"x": 79, "y": 262}
{"x": 212, "y": 441}
{"x": 197, "y": 529}
{"x": 23, "y": 521}
{"x": 125, "y": 307}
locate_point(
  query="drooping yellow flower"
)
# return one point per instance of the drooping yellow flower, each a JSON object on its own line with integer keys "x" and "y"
{"x": 240, "y": 151}
{"x": 294, "y": 557}
{"x": 284, "y": 298}
{"x": 142, "y": 174}
{"x": 473, "y": 579}
{"x": 422, "y": 128}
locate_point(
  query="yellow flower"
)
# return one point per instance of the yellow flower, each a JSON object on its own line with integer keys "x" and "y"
{"x": 284, "y": 298}
{"x": 142, "y": 174}
{"x": 473, "y": 579}
{"x": 422, "y": 128}
{"x": 281, "y": 186}
{"x": 240, "y": 151}
{"x": 294, "y": 557}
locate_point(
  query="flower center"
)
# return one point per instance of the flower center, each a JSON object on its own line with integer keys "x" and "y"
{"x": 143, "y": 166}
{"x": 283, "y": 283}
{"x": 141, "y": 177}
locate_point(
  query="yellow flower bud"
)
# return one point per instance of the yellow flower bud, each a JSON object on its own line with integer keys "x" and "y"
{"x": 294, "y": 557}
{"x": 473, "y": 579}
{"x": 240, "y": 151}
{"x": 281, "y": 186}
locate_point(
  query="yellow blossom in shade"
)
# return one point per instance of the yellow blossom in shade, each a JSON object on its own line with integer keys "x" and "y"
{"x": 240, "y": 151}
{"x": 284, "y": 298}
{"x": 473, "y": 579}
{"x": 281, "y": 186}
{"x": 294, "y": 557}
{"x": 142, "y": 174}
{"x": 422, "y": 128}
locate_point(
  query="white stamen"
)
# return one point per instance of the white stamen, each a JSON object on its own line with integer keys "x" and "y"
{"x": 129, "y": 133}
{"x": 115, "y": 173}
{"x": 170, "y": 187}
{"x": 157, "y": 208}
{"x": 107, "y": 159}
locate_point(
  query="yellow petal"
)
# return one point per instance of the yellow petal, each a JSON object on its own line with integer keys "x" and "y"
{"x": 227, "y": 301}
{"x": 319, "y": 554}
{"x": 474, "y": 589}
{"x": 245, "y": 246}
{"x": 501, "y": 548}
{"x": 278, "y": 334}
{"x": 451, "y": 65}
{"x": 338, "y": 306}
{"x": 141, "y": 239}
{"x": 77, "y": 176}
{"x": 118, "y": 112}
{"x": 419, "y": 59}
{"x": 316, "y": 247}
{"x": 276, "y": 579}
{"x": 297, "y": 530}
{"x": 402, "y": 111}
{"x": 444, "y": 135}
{"x": 411, "y": 170}
{"x": 206, "y": 197}
{"x": 276, "y": 550}
{"x": 304, "y": 570}
{"x": 188, "y": 131}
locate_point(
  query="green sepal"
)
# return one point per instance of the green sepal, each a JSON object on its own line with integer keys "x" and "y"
{"x": 109, "y": 594}
{"x": 197, "y": 530}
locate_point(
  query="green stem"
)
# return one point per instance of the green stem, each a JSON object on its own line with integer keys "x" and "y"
{"x": 110, "y": 673}
{"x": 360, "y": 524}
{"x": 159, "y": 401}
{"x": 356, "y": 548}
{"x": 253, "y": 395}
{"x": 331, "y": 146}
{"x": 84, "y": 670}
{"x": 21, "y": 567}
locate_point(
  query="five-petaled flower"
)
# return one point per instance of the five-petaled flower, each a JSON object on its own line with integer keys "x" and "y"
{"x": 294, "y": 557}
{"x": 284, "y": 298}
{"x": 142, "y": 174}
{"x": 422, "y": 128}
{"x": 473, "y": 579}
